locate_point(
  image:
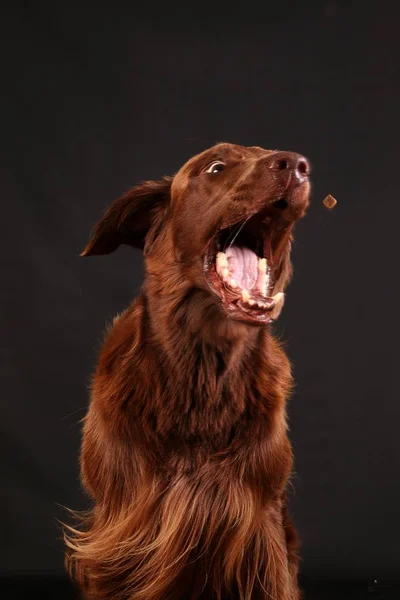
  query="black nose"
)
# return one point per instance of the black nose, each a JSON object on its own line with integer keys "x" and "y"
{"x": 290, "y": 162}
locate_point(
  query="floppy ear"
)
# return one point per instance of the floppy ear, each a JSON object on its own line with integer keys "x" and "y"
{"x": 129, "y": 218}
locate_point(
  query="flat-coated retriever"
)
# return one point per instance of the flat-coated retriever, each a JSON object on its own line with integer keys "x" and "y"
{"x": 185, "y": 449}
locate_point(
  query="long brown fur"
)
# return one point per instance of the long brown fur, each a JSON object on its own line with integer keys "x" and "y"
{"x": 185, "y": 450}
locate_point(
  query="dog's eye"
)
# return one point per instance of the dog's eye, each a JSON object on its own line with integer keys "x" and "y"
{"x": 215, "y": 167}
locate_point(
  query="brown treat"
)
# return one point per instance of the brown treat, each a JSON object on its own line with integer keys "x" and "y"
{"x": 329, "y": 201}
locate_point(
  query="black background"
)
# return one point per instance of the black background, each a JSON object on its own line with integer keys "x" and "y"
{"x": 96, "y": 99}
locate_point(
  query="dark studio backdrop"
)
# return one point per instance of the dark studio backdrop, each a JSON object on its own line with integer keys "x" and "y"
{"x": 96, "y": 99}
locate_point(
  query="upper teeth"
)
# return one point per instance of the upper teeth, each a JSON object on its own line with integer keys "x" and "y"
{"x": 222, "y": 260}
{"x": 262, "y": 265}
{"x": 279, "y": 299}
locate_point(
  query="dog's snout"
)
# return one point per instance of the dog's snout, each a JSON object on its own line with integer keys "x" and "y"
{"x": 290, "y": 163}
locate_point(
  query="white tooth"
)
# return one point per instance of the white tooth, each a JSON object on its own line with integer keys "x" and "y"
{"x": 262, "y": 283}
{"x": 262, "y": 265}
{"x": 232, "y": 283}
{"x": 278, "y": 297}
{"x": 245, "y": 296}
{"x": 252, "y": 302}
{"x": 279, "y": 300}
{"x": 225, "y": 273}
{"x": 222, "y": 261}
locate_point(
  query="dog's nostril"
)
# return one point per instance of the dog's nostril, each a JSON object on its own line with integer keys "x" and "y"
{"x": 281, "y": 164}
{"x": 302, "y": 167}
{"x": 280, "y": 204}
{"x": 290, "y": 162}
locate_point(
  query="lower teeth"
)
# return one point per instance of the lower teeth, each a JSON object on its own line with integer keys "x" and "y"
{"x": 262, "y": 280}
{"x": 261, "y": 287}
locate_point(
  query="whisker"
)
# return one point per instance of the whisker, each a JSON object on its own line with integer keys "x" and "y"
{"x": 228, "y": 238}
{"x": 73, "y": 413}
{"x": 235, "y": 234}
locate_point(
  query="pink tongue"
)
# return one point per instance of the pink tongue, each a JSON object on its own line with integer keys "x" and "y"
{"x": 243, "y": 265}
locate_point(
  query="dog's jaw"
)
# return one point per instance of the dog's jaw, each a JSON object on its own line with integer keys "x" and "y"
{"x": 243, "y": 276}
{"x": 252, "y": 299}
{"x": 251, "y": 305}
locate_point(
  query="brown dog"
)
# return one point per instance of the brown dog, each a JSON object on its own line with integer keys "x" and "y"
{"x": 185, "y": 450}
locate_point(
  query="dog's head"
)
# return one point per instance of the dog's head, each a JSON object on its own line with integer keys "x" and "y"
{"x": 225, "y": 220}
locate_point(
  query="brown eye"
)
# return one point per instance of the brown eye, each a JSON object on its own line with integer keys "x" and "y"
{"x": 215, "y": 167}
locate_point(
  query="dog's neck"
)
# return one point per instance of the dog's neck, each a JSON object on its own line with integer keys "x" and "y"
{"x": 209, "y": 368}
{"x": 189, "y": 325}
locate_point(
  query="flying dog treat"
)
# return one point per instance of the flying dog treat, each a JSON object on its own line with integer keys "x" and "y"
{"x": 329, "y": 201}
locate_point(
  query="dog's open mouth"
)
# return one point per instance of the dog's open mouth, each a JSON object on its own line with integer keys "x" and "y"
{"x": 239, "y": 267}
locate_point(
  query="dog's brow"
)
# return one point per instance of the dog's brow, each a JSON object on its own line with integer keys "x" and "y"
{"x": 224, "y": 155}
{"x": 203, "y": 161}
